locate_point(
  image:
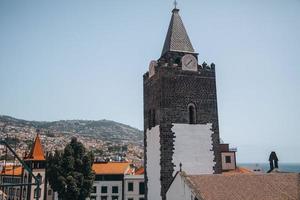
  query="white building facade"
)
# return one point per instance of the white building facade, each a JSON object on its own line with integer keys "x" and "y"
{"x": 134, "y": 187}
{"x": 117, "y": 181}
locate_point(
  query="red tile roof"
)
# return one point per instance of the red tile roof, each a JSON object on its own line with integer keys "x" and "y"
{"x": 277, "y": 186}
{"x": 238, "y": 170}
{"x": 12, "y": 170}
{"x": 111, "y": 168}
{"x": 140, "y": 171}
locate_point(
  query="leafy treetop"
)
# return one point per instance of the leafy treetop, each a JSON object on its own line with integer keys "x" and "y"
{"x": 70, "y": 172}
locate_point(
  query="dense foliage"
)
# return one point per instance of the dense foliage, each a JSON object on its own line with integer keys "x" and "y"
{"x": 70, "y": 172}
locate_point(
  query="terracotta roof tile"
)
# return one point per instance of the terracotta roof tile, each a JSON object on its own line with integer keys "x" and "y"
{"x": 111, "y": 167}
{"x": 12, "y": 170}
{"x": 140, "y": 171}
{"x": 238, "y": 170}
{"x": 279, "y": 186}
{"x": 37, "y": 152}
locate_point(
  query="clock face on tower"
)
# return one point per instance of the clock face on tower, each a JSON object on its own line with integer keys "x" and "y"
{"x": 189, "y": 62}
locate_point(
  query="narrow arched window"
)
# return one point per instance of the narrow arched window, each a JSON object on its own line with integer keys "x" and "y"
{"x": 153, "y": 117}
{"x": 37, "y": 193}
{"x": 25, "y": 178}
{"x": 24, "y": 192}
{"x": 192, "y": 114}
{"x": 40, "y": 178}
{"x": 149, "y": 119}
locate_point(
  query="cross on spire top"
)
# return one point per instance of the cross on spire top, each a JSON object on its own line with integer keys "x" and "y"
{"x": 175, "y": 4}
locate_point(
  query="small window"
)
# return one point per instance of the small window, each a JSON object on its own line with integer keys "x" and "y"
{"x": 37, "y": 193}
{"x": 141, "y": 188}
{"x": 49, "y": 192}
{"x": 115, "y": 197}
{"x": 141, "y": 198}
{"x": 93, "y": 198}
{"x": 24, "y": 192}
{"x": 94, "y": 190}
{"x": 177, "y": 60}
{"x": 149, "y": 119}
{"x": 228, "y": 159}
{"x": 192, "y": 114}
{"x": 115, "y": 189}
{"x": 130, "y": 187}
{"x": 153, "y": 118}
{"x": 130, "y": 199}
{"x": 104, "y": 189}
{"x": 39, "y": 178}
{"x": 25, "y": 178}
{"x": 103, "y": 197}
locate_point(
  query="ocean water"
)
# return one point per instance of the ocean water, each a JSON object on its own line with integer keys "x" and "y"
{"x": 285, "y": 167}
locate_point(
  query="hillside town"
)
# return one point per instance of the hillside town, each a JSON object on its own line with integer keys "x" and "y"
{"x": 20, "y": 137}
{"x": 113, "y": 180}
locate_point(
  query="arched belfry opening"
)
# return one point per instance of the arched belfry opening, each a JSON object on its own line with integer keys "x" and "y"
{"x": 151, "y": 118}
{"x": 192, "y": 113}
{"x": 39, "y": 177}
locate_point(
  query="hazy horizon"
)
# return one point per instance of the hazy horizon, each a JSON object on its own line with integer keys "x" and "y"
{"x": 63, "y": 60}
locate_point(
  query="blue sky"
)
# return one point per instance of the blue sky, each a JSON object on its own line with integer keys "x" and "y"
{"x": 85, "y": 60}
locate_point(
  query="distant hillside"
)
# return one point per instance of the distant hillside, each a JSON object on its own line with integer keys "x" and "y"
{"x": 102, "y": 129}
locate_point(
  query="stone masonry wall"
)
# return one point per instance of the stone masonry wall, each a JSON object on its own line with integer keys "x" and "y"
{"x": 169, "y": 92}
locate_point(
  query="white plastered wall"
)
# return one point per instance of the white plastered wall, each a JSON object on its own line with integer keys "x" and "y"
{"x": 179, "y": 190}
{"x": 153, "y": 163}
{"x": 193, "y": 148}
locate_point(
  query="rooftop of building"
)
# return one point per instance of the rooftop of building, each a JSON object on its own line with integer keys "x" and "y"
{"x": 36, "y": 152}
{"x": 140, "y": 171}
{"x": 11, "y": 170}
{"x": 177, "y": 38}
{"x": 238, "y": 170}
{"x": 245, "y": 186}
{"x": 111, "y": 168}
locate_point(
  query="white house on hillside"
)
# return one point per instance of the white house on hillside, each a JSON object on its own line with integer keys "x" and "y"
{"x": 117, "y": 181}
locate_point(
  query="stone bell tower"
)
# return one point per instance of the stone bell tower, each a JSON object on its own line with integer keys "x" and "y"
{"x": 180, "y": 113}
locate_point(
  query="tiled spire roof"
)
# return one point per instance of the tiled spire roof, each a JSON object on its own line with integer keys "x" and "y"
{"x": 37, "y": 152}
{"x": 177, "y": 38}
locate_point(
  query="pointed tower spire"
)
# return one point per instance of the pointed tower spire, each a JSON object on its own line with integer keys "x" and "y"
{"x": 177, "y": 38}
{"x": 37, "y": 152}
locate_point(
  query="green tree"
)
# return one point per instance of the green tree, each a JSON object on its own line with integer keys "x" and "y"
{"x": 70, "y": 172}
